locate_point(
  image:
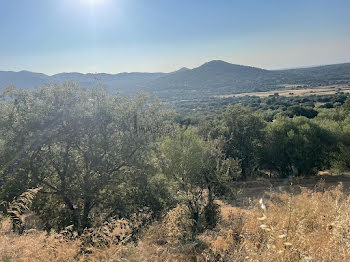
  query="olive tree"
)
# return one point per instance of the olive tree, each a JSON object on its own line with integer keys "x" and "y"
{"x": 83, "y": 146}
{"x": 190, "y": 165}
{"x": 296, "y": 146}
{"x": 241, "y": 133}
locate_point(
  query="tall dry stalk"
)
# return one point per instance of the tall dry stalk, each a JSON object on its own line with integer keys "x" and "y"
{"x": 19, "y": 206}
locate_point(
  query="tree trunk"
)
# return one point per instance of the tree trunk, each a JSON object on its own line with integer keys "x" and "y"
{"x": 75, "y": 218}
{"x": 210, "y": 210}
{"x": 85, "y": 222}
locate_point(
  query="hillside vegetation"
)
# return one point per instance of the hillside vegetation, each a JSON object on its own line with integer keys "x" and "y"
{"x": 308, "y": 226}
{"x": 90, "y": 176}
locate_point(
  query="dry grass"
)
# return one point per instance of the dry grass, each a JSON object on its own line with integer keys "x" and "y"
{"x": 310, "y": 226}
{"x": 36, "y": 246}
{"x": 313, "y": 225}
{"x": 288, "y": 91}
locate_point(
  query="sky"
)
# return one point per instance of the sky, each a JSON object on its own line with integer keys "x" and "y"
{"x": 52, "y": 36}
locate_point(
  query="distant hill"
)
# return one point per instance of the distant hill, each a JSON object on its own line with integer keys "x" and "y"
{"x": 22, "y": 79}
{"x": 219, "y": 77}
{"x": 324, "y": 73}
{"x": 212, "y": 78}
{"x": 127, "y": 83}
{"x": 124, "y": 82}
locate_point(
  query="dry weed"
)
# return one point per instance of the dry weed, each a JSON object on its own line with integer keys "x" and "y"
{"x": 312, "y": 225}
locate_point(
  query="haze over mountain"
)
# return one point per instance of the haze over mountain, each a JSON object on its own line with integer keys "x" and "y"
{"x": 126, "y": 82}
{"x": 212, "y": 78}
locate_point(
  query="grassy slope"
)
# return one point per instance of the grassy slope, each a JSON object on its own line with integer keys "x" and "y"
{"x": 312, "y": 225}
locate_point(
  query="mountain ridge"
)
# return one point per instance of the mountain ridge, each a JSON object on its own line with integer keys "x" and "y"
{"x": 211, "y": 78}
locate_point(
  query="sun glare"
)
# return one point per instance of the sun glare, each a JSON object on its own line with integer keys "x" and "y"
{"x": 95, "y": 2}
{"x": 91, "y": 13}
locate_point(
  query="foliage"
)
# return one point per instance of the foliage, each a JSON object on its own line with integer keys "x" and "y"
{"x": 190, "y": 164}
{"x": 241, "y": 133}
{"x": 87, "y": 150}
{"x": 117, "y": 170}
{"x": 301, "y": 111}
{"x": 341, "y": 160}
{"x": 296, "y": 147}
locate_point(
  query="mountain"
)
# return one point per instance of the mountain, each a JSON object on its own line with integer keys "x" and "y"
{"x": 219, "y": 78}
{"x": 324, "y": 73}
{"x": 212, "y": 78}
{"x": 182, "y": 69}
{"x": 22, "y": 79}
{"x": 124, "y": 82}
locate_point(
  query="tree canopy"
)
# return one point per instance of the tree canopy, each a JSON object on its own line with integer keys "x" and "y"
{"x": 81, "y": 145}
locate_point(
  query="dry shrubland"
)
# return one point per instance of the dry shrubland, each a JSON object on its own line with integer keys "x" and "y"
{"x": 311, "y": 225}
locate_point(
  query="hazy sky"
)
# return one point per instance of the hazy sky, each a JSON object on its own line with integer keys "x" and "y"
{"x": 52, "y": 36}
